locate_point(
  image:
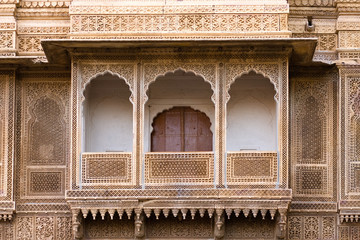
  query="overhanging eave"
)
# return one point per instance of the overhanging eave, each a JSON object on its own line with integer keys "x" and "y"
{"x": 57, "y": 51}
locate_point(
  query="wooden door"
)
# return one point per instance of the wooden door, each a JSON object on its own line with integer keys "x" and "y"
{"x": 181, "y": 129}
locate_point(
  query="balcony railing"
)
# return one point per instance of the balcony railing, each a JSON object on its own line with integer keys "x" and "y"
{"x": 248, "y": 168}
{"x": 180, "y": 168}
{"x": 106, "y": 168}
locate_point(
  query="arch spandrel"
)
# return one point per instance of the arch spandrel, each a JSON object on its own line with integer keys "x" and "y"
{"x": 270, "y": 71}
{"x": 206, "y": 71}
{"x": 125, "y": 72}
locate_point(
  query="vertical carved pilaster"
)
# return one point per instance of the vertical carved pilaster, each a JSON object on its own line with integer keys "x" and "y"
{"x": 138, "y": 119}
{"x": 220, "y": 126}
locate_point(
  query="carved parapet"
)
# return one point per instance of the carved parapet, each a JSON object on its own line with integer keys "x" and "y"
{"x": 179, "y": 20}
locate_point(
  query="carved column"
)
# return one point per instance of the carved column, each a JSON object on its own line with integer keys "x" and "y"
{"x": 220, "y": 105}
{"x": 139, "y": 128}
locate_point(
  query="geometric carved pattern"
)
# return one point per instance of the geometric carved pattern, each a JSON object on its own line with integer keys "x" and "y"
{"x": 179, "y": 168}
{"x": 106, "y": 168}
{"x": 187, "y": 23}
{"x": 312, "y": 136}
{"x": 326, "y": 41}
{"x": 46, "y": 183}
{"x": 312, "y": 131}
{"x": 47, "y": 131}
{"x": 32, "y": 43}
{"x": 251, "y": 167}
{"x": 44, "y": 145}
{"x": 311, "y": 180}
{"x": 352, "y": 132}
{"x": 312, "y": 227}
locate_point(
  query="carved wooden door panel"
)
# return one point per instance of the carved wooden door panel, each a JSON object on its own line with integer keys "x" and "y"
{"x": 181, "y": 129}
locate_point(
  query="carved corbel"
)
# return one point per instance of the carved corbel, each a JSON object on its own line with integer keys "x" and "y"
{"x": 219, "y": 229}
{"x": 139, "y": 223}
{"x": 281, "y": 224}
{"x": 76, "y": 224}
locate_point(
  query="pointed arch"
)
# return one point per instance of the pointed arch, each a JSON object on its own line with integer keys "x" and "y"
{"x": 205, "y": 71}
{"x": 268, "y": 71}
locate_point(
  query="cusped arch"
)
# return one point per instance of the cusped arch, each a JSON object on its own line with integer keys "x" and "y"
{"x": 87, "y": 83}
{"x": 246, "y": 72}
{"x": 196, "y": 73}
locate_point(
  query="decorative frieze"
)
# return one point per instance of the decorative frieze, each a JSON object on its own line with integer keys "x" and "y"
{"x": 312, "y": 227}
{"x": 31, "y": 44}
{"x": 43, "y": 227}
{"x": 326, "y": 42}
{"x": 189, "y": 23}
{"x": 311, "y": 3}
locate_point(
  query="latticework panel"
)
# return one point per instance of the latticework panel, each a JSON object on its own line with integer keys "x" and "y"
{"x": 43, "y": 151}
{"x": 252, "y": 168}
{"x": 179, "y": 168}
{"x": 312, "y": 141}
{"x": 353, "y": 133}
{"x": 106, "y": 168}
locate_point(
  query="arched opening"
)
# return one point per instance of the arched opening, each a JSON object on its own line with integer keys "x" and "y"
{"x": 181, "y": 129}
{"x": 107, "y": 115}
{"x": 251, "y": 115}
{"x": 191, "y": 97}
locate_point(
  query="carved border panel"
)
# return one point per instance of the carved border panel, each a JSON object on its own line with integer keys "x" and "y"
{"x": 7, "y": 113}
{"x": 106, "y": 169}
{"x": 350, "y": 85}
{"x": 43, "y": 227}
{"x": 313, "y": 136}
{"x": 312, "y": 227}
{"x": 42, "y": 141}
{"x": 179, "y": 168}
{"x": 252, "y": 168}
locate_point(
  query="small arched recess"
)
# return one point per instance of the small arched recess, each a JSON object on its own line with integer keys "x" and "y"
{"x": 107, "y": 115}
{"x": 251, "y": 114}
{"x": 177, "y": 89}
